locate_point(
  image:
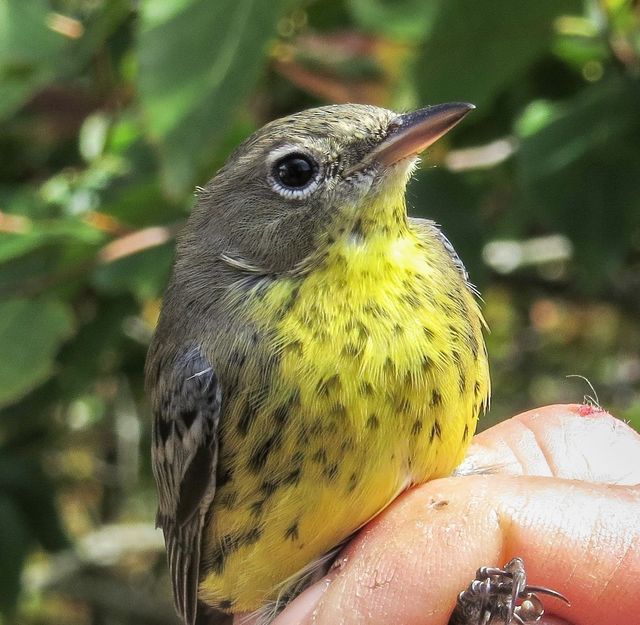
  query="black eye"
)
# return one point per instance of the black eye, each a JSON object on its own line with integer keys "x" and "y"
{"x": 295, "y": 170}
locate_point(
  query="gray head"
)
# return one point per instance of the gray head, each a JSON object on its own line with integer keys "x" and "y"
{"x": 288, "y": 185}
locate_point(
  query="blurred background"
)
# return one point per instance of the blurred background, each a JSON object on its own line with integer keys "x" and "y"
{"x": 111, "y": 111}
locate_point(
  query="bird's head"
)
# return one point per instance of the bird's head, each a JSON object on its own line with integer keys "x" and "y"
{"x": 302, "y": 180}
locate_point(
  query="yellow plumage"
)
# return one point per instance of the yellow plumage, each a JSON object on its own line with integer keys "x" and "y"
{"x": 383, "y": 373}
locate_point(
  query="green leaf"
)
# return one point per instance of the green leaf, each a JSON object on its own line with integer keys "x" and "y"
{"x": 26, "y": 47}
{"x": 47, "y": 232}
{"x": 33, "y": 52}
{"x": 407, "y": 20}
{"x": 578, "y": 169}
{"x": 476, "y": 49}
{"x": 30, "y": 334}
{"x": 556, "y": 135}
{"x": 198, "y": 61}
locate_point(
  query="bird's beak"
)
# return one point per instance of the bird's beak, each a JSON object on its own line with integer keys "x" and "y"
{"x": 411, "y": 133}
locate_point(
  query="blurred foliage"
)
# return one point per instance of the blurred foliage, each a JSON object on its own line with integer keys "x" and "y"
{"x": 111, "y": 112}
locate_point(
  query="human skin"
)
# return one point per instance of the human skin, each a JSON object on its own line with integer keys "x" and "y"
{"x": 562, "y": 492}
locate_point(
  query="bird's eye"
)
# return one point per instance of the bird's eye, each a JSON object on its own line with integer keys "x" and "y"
{"x": 295, "y": 171}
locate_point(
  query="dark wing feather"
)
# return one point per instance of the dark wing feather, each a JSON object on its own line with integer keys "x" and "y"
{"x": 186, "y": 399}
{"x": 426, "y": 230}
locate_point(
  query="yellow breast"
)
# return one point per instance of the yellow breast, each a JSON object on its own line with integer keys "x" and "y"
{"x": 378, "y": 376}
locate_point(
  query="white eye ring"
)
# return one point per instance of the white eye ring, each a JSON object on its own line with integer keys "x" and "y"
{"x": 293, "y": 173}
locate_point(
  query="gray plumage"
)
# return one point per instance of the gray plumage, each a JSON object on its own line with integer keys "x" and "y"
{"x": 186, "y": 409}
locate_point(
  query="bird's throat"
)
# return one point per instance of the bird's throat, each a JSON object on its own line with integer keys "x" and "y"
{"x": 379, "y": 220}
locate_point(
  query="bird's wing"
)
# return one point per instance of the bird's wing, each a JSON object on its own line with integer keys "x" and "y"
{"x": 187, "y": 402}
{"x": 427, "y": 230}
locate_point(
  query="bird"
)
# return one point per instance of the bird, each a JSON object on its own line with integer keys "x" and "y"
{"x": 318, "y": 352}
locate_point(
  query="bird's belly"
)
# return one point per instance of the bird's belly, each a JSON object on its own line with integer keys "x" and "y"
{"x": 374, "y": 388}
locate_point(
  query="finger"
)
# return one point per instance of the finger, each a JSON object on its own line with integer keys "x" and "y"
{"x": 568, "y": 441}
{"x": 410, "y": 563}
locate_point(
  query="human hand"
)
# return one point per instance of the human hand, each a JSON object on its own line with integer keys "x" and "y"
{"x": 563, "y": 494}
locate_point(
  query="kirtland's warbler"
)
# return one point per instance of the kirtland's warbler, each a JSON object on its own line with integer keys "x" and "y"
{"x": 318, "y": 352}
